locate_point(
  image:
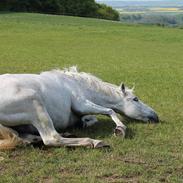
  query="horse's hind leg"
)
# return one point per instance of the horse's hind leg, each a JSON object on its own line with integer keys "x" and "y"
{"x": 9, "y": 139}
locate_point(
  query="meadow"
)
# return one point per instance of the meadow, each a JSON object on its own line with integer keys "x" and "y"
{"x": 148, "y": 56}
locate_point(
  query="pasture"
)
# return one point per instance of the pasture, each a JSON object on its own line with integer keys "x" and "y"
{"x": 149, "y": 56}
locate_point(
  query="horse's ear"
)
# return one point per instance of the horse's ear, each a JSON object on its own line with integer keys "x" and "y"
{"x": 122, "y": 86}
{"x": 133, "y": 88}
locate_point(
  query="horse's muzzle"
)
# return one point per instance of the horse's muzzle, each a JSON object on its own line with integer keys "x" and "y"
{"x": 154, "y": 118}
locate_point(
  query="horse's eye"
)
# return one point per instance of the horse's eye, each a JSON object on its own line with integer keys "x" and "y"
{"x": 135, "y": 99}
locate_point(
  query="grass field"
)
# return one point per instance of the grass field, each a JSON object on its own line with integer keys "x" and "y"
{"x": 149, "y": 56}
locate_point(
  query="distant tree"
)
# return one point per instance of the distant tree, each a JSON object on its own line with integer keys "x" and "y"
{"x": 84, "y": 8}
{"x": 4, "y": 5}
{"x": 17, "y": 5}
{"x": 51, "y": 6}
{"x": 106, "y": 12}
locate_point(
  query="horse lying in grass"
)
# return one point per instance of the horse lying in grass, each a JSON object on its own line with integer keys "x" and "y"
{"x": 54, "y": 100}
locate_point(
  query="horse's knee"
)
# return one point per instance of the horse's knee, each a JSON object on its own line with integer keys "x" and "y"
{"x": 54, "y": 140}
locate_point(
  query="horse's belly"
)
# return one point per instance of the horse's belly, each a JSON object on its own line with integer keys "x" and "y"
{"x": 62, "y": 122}
{"x": 59, "y": 126}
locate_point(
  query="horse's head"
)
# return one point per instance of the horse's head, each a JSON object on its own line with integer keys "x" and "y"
{"x": 134, "y": 108}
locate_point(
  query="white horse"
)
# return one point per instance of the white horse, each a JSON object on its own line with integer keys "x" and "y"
{"x": 57, "y": 99}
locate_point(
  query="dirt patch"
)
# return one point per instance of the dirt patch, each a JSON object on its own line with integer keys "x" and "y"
{"x": 117, "y": 178}
{"x": 47, "y": 180}
{"x": 135, "y": 161}
{"x": 1, "y": 158}
{"x": 65, "y": 171}
{"x": 168, "y": 173}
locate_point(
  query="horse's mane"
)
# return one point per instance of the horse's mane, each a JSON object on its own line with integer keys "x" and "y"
{"x": 91, "y": 81}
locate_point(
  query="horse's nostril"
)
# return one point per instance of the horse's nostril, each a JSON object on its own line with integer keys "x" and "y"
{"x": 154, "y": 118}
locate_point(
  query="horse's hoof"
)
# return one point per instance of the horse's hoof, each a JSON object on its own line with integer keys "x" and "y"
{"x": 119, "y": 131}
{"x": 100, "y": 144}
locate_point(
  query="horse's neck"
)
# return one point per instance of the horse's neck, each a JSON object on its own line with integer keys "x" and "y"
{"x": 106, "y": 98}
{"x": 96, "y": 90}
{"x": 101, "y": 93}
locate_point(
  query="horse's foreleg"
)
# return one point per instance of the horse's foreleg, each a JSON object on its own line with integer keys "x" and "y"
{"x": 85, "y": 107}
{"x": 50, "y": 137}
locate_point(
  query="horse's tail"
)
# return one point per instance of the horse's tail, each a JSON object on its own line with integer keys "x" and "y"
{"x": 9, "y": 138}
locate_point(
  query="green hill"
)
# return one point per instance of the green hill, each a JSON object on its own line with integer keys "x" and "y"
{"x": 149, "y": 56}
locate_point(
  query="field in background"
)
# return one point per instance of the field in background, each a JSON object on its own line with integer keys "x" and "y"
{"x": 133, "y": 10}
{"x": 162, "y": 16}
{"x": 149, "y": 56}
{"x": 166, "y": 9}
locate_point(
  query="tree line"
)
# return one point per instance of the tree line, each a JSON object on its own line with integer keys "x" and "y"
{"x": 83, "y": 8}
{"x": 160, "y": 19}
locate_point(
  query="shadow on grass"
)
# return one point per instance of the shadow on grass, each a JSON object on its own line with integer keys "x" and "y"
{"x": 101, "y": 130}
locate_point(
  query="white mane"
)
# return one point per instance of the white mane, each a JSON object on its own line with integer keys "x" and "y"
{"x": 90, "y": 80}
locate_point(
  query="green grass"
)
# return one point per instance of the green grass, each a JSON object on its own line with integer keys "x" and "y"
{"x": 149, "y": 56}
